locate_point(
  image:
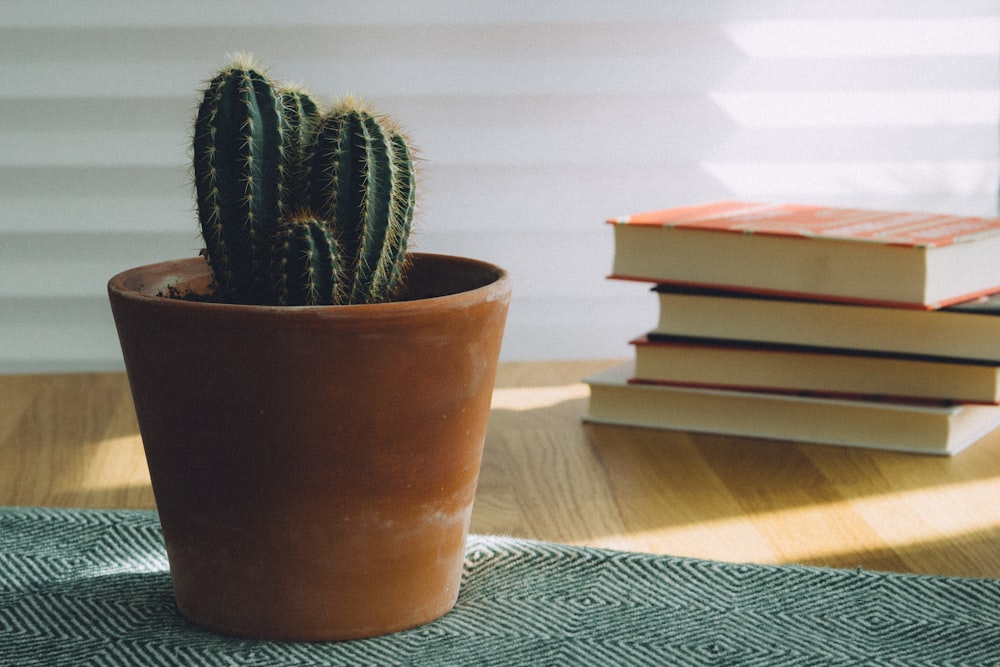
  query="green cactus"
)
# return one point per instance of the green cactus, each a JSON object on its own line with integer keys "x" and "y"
{"x": 306, "y": 263}
{"x": 298, "y": 207}
{"x": 238, "y": 139}
{"x": 300, "y": 113}
{"x": 361, "y": 180}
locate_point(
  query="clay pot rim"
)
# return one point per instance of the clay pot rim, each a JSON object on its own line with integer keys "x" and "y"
{"x": 145, "y": 284}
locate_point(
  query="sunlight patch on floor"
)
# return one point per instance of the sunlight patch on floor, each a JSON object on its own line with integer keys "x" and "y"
{"x": 533, "y": 398}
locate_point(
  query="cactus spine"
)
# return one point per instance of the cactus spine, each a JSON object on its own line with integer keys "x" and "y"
{"x": 298, "y": 207}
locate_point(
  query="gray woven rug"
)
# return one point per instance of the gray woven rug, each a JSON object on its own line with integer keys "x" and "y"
{"x": 92, "y": 588}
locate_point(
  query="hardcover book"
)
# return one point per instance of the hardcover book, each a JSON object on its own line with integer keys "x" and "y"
{"x": 821, "y": 371}
{"x": 920, "y": 427}
{"x": 920, "y": 260}
{"x": 968, "y": 330}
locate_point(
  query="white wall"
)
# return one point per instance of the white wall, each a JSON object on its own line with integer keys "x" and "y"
{"x": 536, "y": 122}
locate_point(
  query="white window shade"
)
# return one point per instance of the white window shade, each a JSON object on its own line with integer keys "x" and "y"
{"x": 535, "y": 120}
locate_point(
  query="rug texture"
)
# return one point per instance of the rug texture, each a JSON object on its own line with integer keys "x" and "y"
{"x": 81, "y": 587}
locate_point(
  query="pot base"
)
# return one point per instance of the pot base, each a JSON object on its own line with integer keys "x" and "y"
{"x": 291, "y": 597}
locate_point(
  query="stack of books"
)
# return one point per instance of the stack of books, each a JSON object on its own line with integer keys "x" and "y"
{"x": 815, "y": 324}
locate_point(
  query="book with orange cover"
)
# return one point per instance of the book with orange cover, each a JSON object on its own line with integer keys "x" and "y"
{"x": 918, "y": 260}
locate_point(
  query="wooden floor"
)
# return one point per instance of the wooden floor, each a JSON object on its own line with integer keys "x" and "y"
{"x": 72, "y": 441}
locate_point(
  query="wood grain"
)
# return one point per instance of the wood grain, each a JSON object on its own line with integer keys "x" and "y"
{"x": 72, "y": 441}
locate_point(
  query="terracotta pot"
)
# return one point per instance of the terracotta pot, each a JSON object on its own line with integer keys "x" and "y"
{"x": 314, "y": 468}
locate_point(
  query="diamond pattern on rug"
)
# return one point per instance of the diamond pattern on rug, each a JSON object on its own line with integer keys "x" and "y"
{"x": 92, "y": 587}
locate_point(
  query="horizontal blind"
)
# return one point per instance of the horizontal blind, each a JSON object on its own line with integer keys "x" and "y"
{"x": 536, "y": 121}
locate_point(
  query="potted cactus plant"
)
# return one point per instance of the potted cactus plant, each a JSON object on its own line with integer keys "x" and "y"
{"x": 312, "y": 397}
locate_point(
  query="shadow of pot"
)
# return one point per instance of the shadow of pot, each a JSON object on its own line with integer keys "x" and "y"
{"x": 314, "y": 467}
